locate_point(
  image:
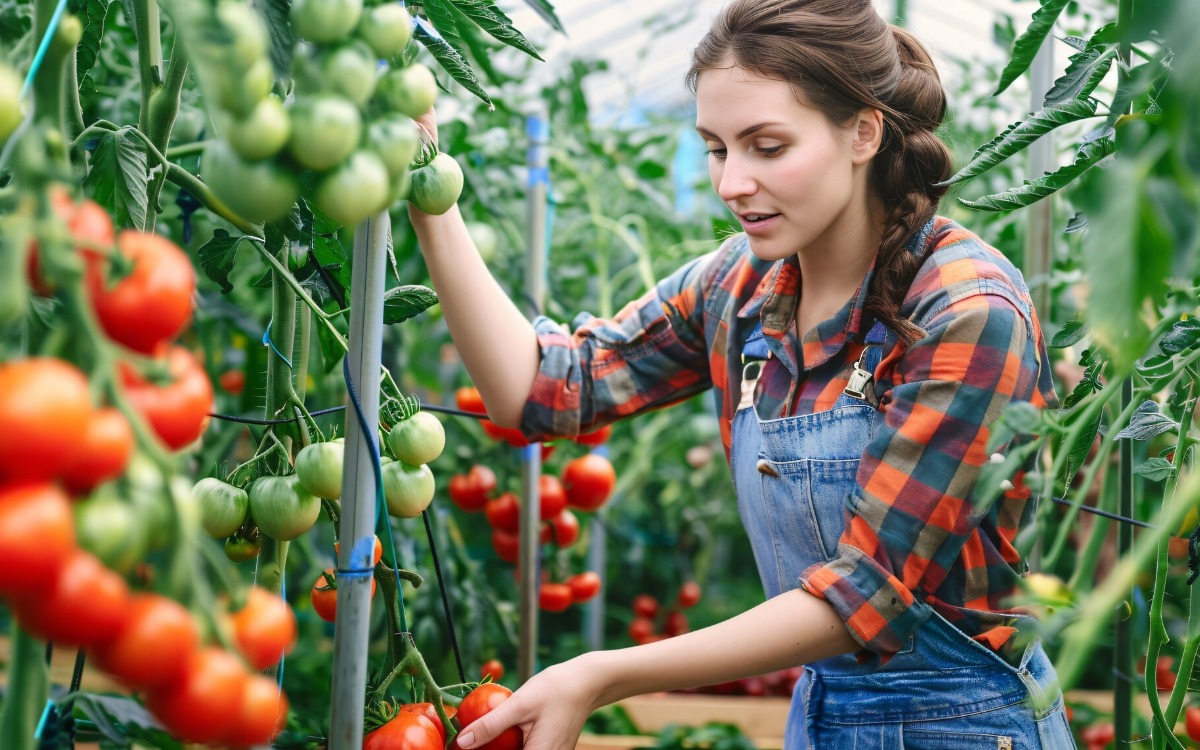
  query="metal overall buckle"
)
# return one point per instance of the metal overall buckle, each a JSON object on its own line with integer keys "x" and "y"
{"x": 861, "y": 379}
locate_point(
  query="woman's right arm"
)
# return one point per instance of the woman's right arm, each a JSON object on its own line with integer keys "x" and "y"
{"x": 494, "y": 338}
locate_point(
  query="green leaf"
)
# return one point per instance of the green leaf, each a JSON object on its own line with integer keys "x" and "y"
{"x": 1147, "y": 422}
{"x": 274, "y": 14}
{"x": 1027, "y": 45}
{"x": 404, "y": 302}
{"x": 493, "y": 21}
{"x": 1020, "y": 135}
{"x": 1022, "y": 417}
{"x": 441, "y": 14}
{"x": 1078, "y": 223}
{"x": 1139, "y": 82}
{"x": 1032, "y": 191}
{"x": 1083, "y": 74}
{"x": 95, "y": 13}
{"x": 546, "y": 11}
{"x": 1078, "y": 451}
{"x": 217, "y": 257}
{"x": 1156, "y": 469}
{"x": 1069, "y": 335}
{"x": 453, "y": 63}
{"x": 1157, "y": 371}
{"x": 117, "y": 179}
{"x": 331, "y": 350}
{"x": 1184, "y": 335}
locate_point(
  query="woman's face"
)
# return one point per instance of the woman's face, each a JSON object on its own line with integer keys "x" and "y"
{"x": 782, "y": 167}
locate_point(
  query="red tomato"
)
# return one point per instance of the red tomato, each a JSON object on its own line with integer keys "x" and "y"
{"x": 85, "y": 221}
{"x": 551, "y": 496}
{"x": 513, "y": 437}
{"x": 689, "y": 595}
{"x": 37, "y": 534}
{"x": 646, "y": 606}
{"x": 153, "y": 302}
{"x": 429, "y": 712}
{"x": 1098, "y": 734}
{"x": 470, "y": 491}
{"x": 206, "y": 705}
{"x": 263, "y": 713}
{"x": 468, "y": 399}
{"x": 554, "y": 597}
{"x": 641, "y": 630}
{"x": 599, "y": 437}
{"x": 178, "y": 411}
{"x": 44, "y": 408}
{"x": 87, "y": 604}
{"x": 507, "y": 545}
{"x": 233, "y": 382}
{"x": 1192, "y": 722}
{"x": 563, "y": 528}
{"x": 584, "y": 586}
{"x": 504, "y": 512}
{"x": 485, "y": 699}
{"x": 407, "y": 731}
{"x": 588, "y": 481}
{"x": 675, "y": 624}
{"x": 324, "y": 597}
{"x": 101, "y": 453}
{"x": 493, "y": 668}
{"x": 150, "y": 651}
{"x": 1164, "y": 673}
{"x": 265, "y": 629}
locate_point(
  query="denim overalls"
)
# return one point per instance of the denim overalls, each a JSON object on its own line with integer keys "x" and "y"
{"x": 943, "y": 690}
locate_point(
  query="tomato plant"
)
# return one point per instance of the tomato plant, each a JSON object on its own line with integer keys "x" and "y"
{"x": 281, "y": 507}
{"x": 150, "y": 651}
{"x": 410, "y": 90}
{"x": 325, "y": 130}
{"x": 44, "y": 407}
{"x": 325, "y": 20}
{"x": 418, "y": 439}
{"x": 102, "y": 453}
{"x": 153, "y": 302}
{"x": 222, "y": 506}
{"x": 86, "y": 604}
{"x": 36, "y": 536}
{"x": 261, "y": 134}
{"x": 387, "y": 28}
{"x": 177, "y": 411}
{"x": 254, "y": 191}
{"x": 206, "y": 704}
{"x": 588, "y": 481}
{"x": 408, "y": 489}
{"x": 485, "y": 699}
{"x": 355, "y": 189}
{"x": 407, "y": 731}
{"x": 265, "y": 628}
{"x": 437, "y": 185}
{"x": 319, "y": 468}
{"x": 263, "y": 713}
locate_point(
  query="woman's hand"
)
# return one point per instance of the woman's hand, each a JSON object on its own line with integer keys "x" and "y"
{"x": 550, "y": 709}
{"x": 427, "y": 126}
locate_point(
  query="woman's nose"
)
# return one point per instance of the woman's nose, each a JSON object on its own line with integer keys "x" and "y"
{"x": 735, "y": 181}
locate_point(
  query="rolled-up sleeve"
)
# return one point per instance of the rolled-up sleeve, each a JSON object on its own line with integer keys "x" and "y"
{"x": 651, "y": 354}
{"x": 912, "y": 512}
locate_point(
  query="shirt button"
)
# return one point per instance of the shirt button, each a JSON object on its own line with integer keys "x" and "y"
{"x": 765, "y": 467}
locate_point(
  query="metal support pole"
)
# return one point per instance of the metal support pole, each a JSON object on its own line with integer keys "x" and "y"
{"x": 358, "y": 486}
{"x": 1039, "y": 245}
{"x": 597, "y": 560}
{"x": 537, "y": 128}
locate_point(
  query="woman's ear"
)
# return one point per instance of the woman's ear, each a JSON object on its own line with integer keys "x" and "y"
{"x": 868, "y": 135}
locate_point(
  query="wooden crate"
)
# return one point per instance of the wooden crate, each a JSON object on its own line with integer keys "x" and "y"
{"x": 760, "y": 718}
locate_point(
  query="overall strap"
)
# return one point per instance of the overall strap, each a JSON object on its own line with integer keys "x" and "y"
{"x": 861, "y": 384}
{"x": 754, "y": 353}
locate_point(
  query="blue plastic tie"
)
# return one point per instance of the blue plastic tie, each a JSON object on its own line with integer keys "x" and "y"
{"x": 40, "y": 56}
{"x": 266, "y": 339}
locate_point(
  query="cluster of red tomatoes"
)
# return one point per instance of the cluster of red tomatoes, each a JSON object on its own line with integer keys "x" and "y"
{"x": 417, "y": 726}
{"x": 652, "y": 622}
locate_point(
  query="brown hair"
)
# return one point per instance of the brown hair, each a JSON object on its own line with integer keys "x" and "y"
{"x": 844, "y": 58}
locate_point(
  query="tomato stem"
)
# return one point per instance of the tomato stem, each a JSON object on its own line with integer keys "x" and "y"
{"x": 28, "y": 688}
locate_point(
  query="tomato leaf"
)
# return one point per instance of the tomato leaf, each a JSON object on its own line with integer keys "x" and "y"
{"x": 1033, "y": 191}
{"x": 95, "y": 12}
{"x": 441, "y": 14}
{"x": 1083, "y": 74}
{"x": 117, "y": 179}
{"x": 1184, "y": 335}
{"x": 123, "y": 719}
{"x": 546, "y": 11}
{"x": 217, "y": 257}
{"x": 1078, "y": 451}
{"x": 492, "y": 20}
{"x": 404, "y": 302}
{"x": 1027, "y": 45}
{"x": 1147, "y": 422}
{"x": 451, "y": 61}
{"x": 1069, "y": 335}
{"x": 1078, "y": 223}
{"x": 274, "y": 14}
{"x": 1155, "y": 469}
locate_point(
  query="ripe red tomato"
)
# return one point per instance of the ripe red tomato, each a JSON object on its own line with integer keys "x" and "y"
{"x": 153, "y": 302}
{"x": 563, "y": 528}
{"x": 507, "y": 545}
{"x": 468, "y": 399}
{"x": 554, "y": 597}
{"x": 471, "y": 491}
{"x": 407, "y": 731}
{"x": 44, "y": 408}
{"x": 233, "y": 382}
{"x": 37, "y": 534}
{"x": 641, "y": 630}
{"x": 429, "y": 712}
{"x": 263, "y": 713}
{"x": 676, "y": 623}
{"x": 150, "y": 651}
{"x": 504, "y": 512}
{"x": 1164, "y": 673}
{"x": 645, "y": 605}
{"x": 206, "y": 705}
{"x": 265, "y": 629}
{"x": 599, "y": 437}
{"x": 493, "y": 668}
{"x": 1098, "y": 735}
{"x": 689, "y": 595}
{"x": 101, "y": 453}
{"x": 584, "y": 586}
{"x": 1192, "y": 722}
{"x": 86, "y": 221}
{"x": 484, "y": 699}
{"x": 324, "y": 596}
{"x": 87, "y": 604}
{"x": 588, "y": 481}
{"x": 178, "y": 411}
{"x": 551, "y": 496}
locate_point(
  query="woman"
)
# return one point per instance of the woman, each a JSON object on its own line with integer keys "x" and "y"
{"x": 858, "y": 347}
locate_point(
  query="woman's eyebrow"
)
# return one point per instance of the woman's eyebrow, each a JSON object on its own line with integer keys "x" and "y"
{"x": 748, "y": 131}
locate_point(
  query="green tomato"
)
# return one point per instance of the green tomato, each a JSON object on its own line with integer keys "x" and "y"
{"x": 325, "y": 21}
{"x": 410, "y": 90}
{"x": 250, "y": 39}
{"x": 222, "y": 506}
{"x": 110, "y": 529}
{"x": 408, "y": 489}
{"x": 10, "y": 102}
{"x": 262, "y": 134}
{"x": 189, "y": 124}
{"x": 240, "y": 91}
{"x": 437, "y": 185}
{"x": 350, "y": 70}
{"x": 418, "y": 439}
{"x": 240, "y": 548}
{"x": 325, "y": 130}
{"x": 319, "y": 469}
{"x": 395, "y": 139}
{"x": 387, "y": 28}
{"x": 356, "y": 189}
{"x": 281, "y": 508}
{"x": 485, "y": 238}
{"x": 257, "y": 192}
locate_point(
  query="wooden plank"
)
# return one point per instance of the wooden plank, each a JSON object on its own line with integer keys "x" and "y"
{"x": 754, "y": 716}
{"x": 62, "y": 666}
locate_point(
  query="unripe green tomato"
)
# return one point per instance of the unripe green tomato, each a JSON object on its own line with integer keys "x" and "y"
{"x": 222, "y": 506}
{"x": 410, "y": 90}
{"x": 319, "y": 468}
{"x": 281, "y": 508}
{"x": 250, "y": 41}
{"x": 354, "y": 190}
{"x": 437, "y": 185}
{"x": 257, "y": 192}
{"x": 325, "y": 21}
{"x": 325, "y": 130}
{"x": 188, "y": 125}
{"x": 350, "y": 70}
{"x": 10, "y": 101}
{"x": 485, "y": 239}
{"x": 387, "y": 28}
{"x": 240, "y": 91}
{"x": 408, "y": 489}
{"x": 395, "y": 139}
{"x": 262, "y": 134}
{"x": 418, "y": 439}
{"x": 110, "y": 529}
{"x": 240, "y": 549}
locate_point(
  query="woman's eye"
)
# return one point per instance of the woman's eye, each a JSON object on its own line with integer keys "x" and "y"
{"x": 718, "y": 153}
{"x": 770, "y": 150}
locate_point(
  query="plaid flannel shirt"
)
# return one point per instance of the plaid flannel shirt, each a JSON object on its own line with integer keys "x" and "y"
{"x": 913, "y": 542}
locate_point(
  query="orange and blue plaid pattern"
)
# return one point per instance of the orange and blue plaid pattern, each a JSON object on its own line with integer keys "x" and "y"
{"x": 913, "y": 538}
